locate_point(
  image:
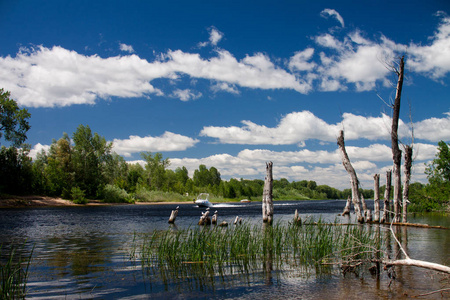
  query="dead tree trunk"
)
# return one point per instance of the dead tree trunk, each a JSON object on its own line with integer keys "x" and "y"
{"x": 396, "y": 152}
{"x": 347, "y": 206}
{"x": 407, "y": 170}
{"x": 387, "y": 195}
{"x": 376, "y": 197}
{"x": 267, "y": 202}
{"x": 353, "y": 178}
{"x": 367, "y": 212}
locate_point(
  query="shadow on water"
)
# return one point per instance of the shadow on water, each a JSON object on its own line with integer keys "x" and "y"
{"x": 84, "y": 252}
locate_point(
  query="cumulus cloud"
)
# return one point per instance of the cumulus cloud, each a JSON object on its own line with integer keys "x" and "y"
{"x": 48, "y": 77}
{"x": 433, "y": 59}
{"x": 38, "y": 148}
{"x": 301, "y": 60}
{"x": 126, "y": 48}
{"x": 167, "y": 142}
{"x": 332, "y": 13}
{"x": 215, "y": 36}
{"x": 297, "y": 127}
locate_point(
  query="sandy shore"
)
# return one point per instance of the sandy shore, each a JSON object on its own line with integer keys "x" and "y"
{"x": 36, "y": 201}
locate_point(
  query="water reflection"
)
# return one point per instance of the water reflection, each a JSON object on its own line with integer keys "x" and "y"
{"x": 84, "y": 253}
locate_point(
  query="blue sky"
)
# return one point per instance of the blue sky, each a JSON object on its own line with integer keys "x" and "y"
{"x": 233, "y": 84}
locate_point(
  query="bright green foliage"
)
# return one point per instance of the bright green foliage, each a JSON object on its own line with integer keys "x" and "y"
{"x": 13, "y": 121}
{"x": 156, "y": 170}
{"x": 89, "y": 157}
{"x": 436, "y": 194}
{"x": 60, "y": 170}
{"x": 114, "y": 194}
{"x": 204, "y": 177}
{"x": 439, "y": 169}
{"x": 77, "y": 195}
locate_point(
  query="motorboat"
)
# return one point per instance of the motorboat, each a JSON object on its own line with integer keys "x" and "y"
{"x": 245, "y": 201}
{"x": 203, "y": 200}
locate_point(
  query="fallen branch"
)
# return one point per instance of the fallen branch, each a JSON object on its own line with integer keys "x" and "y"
{"x": 418, "y": 263}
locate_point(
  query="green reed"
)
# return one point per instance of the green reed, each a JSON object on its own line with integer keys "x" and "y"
{"x": 201, "y": 255}
{"x": 13, "y": 274}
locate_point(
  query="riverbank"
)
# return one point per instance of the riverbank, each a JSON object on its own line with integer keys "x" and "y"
{"x": 9, "y": 201}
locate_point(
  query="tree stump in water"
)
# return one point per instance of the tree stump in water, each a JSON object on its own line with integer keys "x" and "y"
{"x": 347, "y": 206}
{"x": 173, "y": 215}
{"x": 267, "y": 201}
{"x": 376, "y": 197}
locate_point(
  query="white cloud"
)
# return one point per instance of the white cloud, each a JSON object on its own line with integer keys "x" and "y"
{"x": 45, "y": 77}
{"x": 433, "y": 129}
{"x": 433, "y": 59}
{"x": 167, "y": 142}
{"x": 38, "y": 149}
{"x": 300, "y": 61}
{"x": 332, "y": 13}
{"x": 186, "y": 95}
{"x": 215, "y": 36}
{"x": 224, "y": 87}
{"x": 126, "y": 48}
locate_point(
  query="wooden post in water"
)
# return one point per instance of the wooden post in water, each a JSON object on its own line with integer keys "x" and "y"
{"x": 407, "y": 170}
{"x": 173, "y": 215}
{"x": 367, "y": 212}
{"x": 387, "y": 195}
{"x": 376, "y": 197}
{"x": 205, "y": 219}
{"x": 267, "y": 201}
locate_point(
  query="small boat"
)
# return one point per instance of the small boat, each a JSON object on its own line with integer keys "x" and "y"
{"x": 245, "y": 201}
{"x": 203, "y": 200}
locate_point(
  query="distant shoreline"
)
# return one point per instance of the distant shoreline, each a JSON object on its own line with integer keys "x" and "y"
{"x": 44, "y": 201}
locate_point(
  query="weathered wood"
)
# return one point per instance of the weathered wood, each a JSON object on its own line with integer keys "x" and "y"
{"x": 353, "y": 178}
{"x": 297, "y": 218}
{"x": 214, "y": 218}
{"x": 173, "y": 215}
{"x": 267, "y": 202}
{"x": 205, "y": 219}
{"x": 387, "y": 194}
{"x": 407, "y": 170}
{"x": 396, "y": 152}
{"x": 376, "y": 197}
{"x": 367, "y": 212}
{"x": 347, "y": 206}
{"x": 237, "y": 220}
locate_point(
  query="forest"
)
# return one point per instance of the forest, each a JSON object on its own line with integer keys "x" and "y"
{"x": 82, "y": 166}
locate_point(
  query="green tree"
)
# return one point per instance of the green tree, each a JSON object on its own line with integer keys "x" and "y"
{"x": 13, "y": 121}
{"x": 439, "y": 169}
{"x": 156, "y": 168}
{"x": 90, "y": 153}
{"x": 59, "y": 169}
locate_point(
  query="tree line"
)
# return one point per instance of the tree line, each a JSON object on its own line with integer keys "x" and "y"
{"x": 84, "y": 166}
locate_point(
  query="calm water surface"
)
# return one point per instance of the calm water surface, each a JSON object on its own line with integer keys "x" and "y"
{"x": 84, "y": 253}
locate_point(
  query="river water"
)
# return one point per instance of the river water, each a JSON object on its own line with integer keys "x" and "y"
{"x": 85, "y": 253}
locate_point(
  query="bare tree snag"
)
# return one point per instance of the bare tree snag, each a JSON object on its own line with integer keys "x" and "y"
{"x": 396, "y": 152}
{"x": 267, "y": 202}
{"x": 376, "y": 197}
{"x": 347, "y": 206}
{"x": 407, "y": 170}
{"x": 297, "y": 218}
{"x": 387, "y": 194}
{"x": 353, "y": 178}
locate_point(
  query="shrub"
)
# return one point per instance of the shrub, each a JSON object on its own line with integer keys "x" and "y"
{"x": 78, "y": 196}
{"x": 114, "y": 194}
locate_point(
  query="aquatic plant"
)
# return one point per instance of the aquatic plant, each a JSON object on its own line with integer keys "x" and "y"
{"x": 13, "y": 275}
{"x": 202, "y": 255}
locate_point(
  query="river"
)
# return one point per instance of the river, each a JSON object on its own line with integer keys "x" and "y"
{"x": 84, "y": 253}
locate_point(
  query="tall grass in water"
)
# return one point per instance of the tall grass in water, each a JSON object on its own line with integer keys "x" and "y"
{"x": 13, "y": 275}
{"x": 199, "y": 256}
